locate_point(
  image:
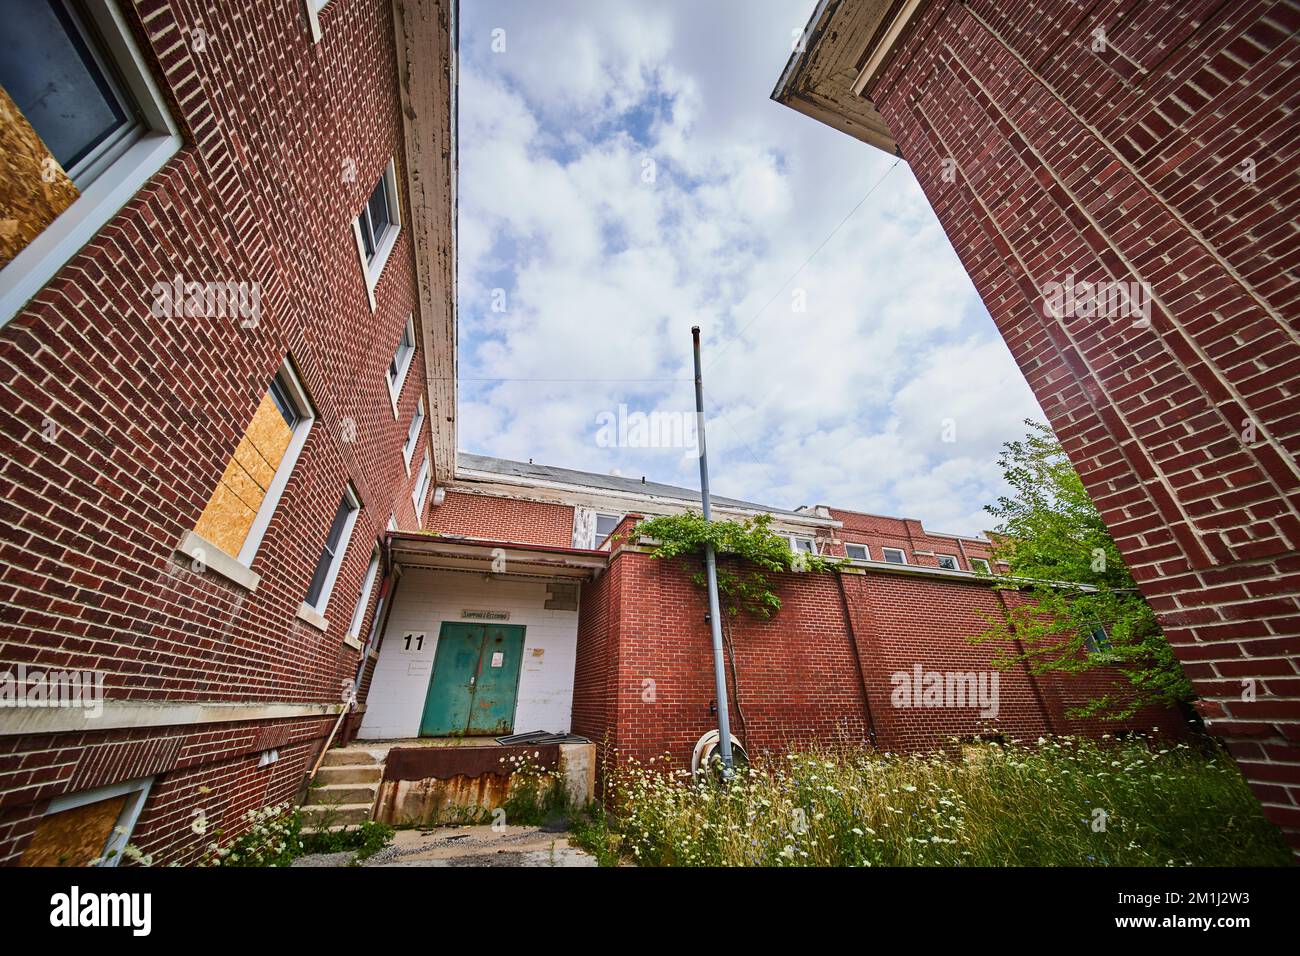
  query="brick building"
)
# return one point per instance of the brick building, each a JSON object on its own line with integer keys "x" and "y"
{"x": 599, "y": 638}
{"x": 230, "y": 492}
{"x": 1149, "y": 148}
{"x": 227, "y": 343}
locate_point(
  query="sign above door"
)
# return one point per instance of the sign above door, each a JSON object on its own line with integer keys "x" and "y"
{"x": 469, "y": 614}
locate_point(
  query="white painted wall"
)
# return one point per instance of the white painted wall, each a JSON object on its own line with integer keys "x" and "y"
{"x": 427, "y": 598}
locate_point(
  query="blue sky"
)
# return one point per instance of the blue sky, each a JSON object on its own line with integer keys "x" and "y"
{"x": 624, "y": 176}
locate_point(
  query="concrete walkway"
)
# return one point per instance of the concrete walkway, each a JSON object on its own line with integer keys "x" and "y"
{"x": 468, "y": 846}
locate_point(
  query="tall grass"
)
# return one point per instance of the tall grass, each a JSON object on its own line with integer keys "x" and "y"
{"x": 1064, "y": 801}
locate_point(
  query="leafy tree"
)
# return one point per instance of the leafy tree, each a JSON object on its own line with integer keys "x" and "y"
{"x": 1052, "y": 538}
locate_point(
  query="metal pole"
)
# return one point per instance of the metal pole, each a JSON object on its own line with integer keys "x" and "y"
{"x": 711, "y": 571}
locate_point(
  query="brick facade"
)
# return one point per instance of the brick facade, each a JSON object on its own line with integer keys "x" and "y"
{"x": 819, "y": 672}
{"x": 906, "y": 534}
{"x": 1166, "y": 157}
{"x": 494, "y": 518}
{"x": 117, "y": 425}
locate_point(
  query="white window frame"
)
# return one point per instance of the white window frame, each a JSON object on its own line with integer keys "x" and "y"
{"x": 1090, "y": 642}
{"x": 298, "y": 395}
{"x": 974, "y": 565}
{"x": 137, "y": 792}
{"x": 898, "y": 551}
{"x": 421, "y": 490}
{"x": 239, "y": 569}
{"x": 314, "y": 7}
{"x": 372, "y": 270}
{"x": 792, "y": 538}
{"x": 956, "y": 562}
{"x": 392, "y": 522}
{"x": 866, "y": 551}
{"x": 413, "y": 435}
{"x": 353, "y": 636}
{"x": 315, "y": 613}
{"x": 596, "y": 539}
{"x": 404, "y": 362}
{"x": 154, "y": 143}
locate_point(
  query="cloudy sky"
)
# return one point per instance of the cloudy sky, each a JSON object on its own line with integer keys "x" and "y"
{"x": 624, "y": 176}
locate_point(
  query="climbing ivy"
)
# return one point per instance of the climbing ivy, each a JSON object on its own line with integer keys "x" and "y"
{"x": 755, "y": 549}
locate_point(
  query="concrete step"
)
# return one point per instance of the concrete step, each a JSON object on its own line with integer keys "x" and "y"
{"x": 336, "y": 793}
{"x": 327, "y": 776}
{"x": 349, "y": 757}
{"x": 344, "y": 814}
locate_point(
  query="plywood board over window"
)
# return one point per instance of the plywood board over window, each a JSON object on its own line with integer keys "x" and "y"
{"x": 34, "y": 189}
{"x": 74, "y": 837}
{"x": 243, "y": 486}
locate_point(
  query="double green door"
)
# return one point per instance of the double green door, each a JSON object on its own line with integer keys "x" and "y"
{"x": 475, "y": 681}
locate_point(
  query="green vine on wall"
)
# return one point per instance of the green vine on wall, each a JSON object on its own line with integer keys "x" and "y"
{"x": 743, "y": 584}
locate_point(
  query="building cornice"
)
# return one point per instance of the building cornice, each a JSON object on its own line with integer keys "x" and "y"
{"x": 490, "y": 484}
{"x": 426, "y": 37}
{"x": 844, "y": 46}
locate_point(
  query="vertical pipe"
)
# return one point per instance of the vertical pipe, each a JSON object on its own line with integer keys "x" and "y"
{"x": 711, "y": 570}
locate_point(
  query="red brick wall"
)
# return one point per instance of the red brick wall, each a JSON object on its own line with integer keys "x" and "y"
{"x": 221, "y": 757}
{"x": 147, "y": 411}
{"x": 907, "y": 534}
{"x": 1127, "y": 165}
{"x": 503, "y": 519}
{"x": 799, "y": 683}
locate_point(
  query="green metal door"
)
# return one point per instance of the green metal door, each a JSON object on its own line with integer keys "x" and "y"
{"x": 492, "y": 712}
{"x": 474, "y": 682}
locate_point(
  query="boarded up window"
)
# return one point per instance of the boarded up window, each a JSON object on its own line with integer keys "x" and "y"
{"x": 239, "y": 494}
{"x": 74, "y": 837}
{"x": 34, "y": 189}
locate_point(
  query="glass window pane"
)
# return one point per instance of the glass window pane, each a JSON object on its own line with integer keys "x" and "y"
{"x": 605, "y": 525}
{"x": 53, "y": 77}
{"x": 378, "y": 206}
{"x": 326, "y": 560}
{"x": 279, "y": 394}
{"x": 336, "y": 529}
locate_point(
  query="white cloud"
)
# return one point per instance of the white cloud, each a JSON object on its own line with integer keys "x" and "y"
{"x": 841, "y": 402}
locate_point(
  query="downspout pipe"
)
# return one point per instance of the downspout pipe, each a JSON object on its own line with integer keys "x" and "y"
{"x": 857, "y": 660}
{"x": 711, "y": 572}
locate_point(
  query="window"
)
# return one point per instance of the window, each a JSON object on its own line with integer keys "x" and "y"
{"x": 79, "y": 828}
{"x": 401, "y": 362}
{"x": 947, "y": 562}
{"x": 376, "y": 228}
{"x": 372, "y": 572}
{"x": 605, "y": 525}
{"x": 84, "y": 127}
{"x": 1096, "y": 639}
{"x": 979, "y": 565}
{"x": 800, "y": 543}
{"x": 413, "y": 435}
{"x": 894, "y": 555}
{"x": 331, "y": 556}
{"x": 314, "y": 7}
{"x": 392, "y": 522}
{"x": 857, "y": 552}
{"x": 420, "y": 491}
{"x": 231, "y": 527}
